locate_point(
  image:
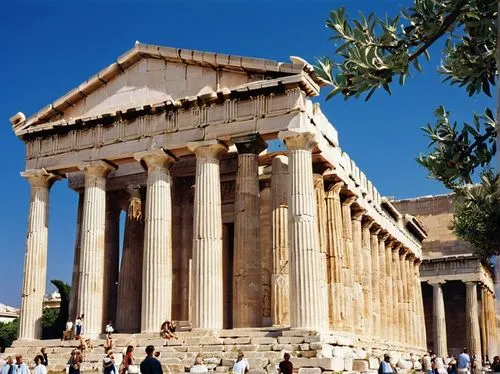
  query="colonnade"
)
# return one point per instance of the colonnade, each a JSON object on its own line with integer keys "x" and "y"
{"x": 334, "y": 267}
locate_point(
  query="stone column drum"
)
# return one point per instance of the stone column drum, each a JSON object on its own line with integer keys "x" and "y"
{"x": 375, "y": 318}
{"x": 358, "y": 264}
{"x": 91, "y": 287}
{"x": 111, "y": 258}
{"x": 389, "y": 312}
{"x": 35, "y": 258}
{"x": 280, "y": 300}
{"x": 335, "y": 253}
{"x": 383, "y": 292}
{"x": 207, "y": 237}
{"x": 128, "y": 314}
{"x": 75, "y": 279}
{"x": 439, "y": 321}
{"x": 308, "y": 310}
{"x": 396, "y": 279}
{"x": 473, "y": 336}
{"x": 366, "y": 224}
{"x": 247, "y": 274}
{"x": 348, "y": 263}
{"x": 157, "y": 255}
{"x": 403, "y": 300}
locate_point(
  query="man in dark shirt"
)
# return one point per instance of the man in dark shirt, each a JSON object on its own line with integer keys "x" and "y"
{"x": 150, "y": 365}
{"x": 45, "y": 359}
{"x": 286, "y": 367}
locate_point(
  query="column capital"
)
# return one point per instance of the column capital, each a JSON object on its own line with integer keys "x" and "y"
{"x": 383, "y": 235}
{"x": 298, "y": 140}
{"x": 207, "y": 149}
{"x": 40, "y": 178}
{"x": 349, "y": 200}
{"x": 249, "y": 144}
{"x": 397, "y": 246}
{"x": 403, "y": 251}
{"x": 357, "y": 215}
{"x": 155, "y": 159}
{"x": 99, "y": 168}
{"x": 367, "y": 222}
{"x": 335, "y": 189}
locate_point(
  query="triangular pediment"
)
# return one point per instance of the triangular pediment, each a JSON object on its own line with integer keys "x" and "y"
{"x": 149, "y": 74}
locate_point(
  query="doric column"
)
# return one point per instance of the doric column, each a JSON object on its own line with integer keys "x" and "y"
{"x": 376, "y": 328}
{"x": 439, "y": 321}
{"x": 91, "y": 287}
{"x": 335, "y": 253}
{"x": 111, "y": 259}
{"x": 35, "y": 258}
{"x": 308, "y": 309}
{"x": 157, "y": 255}
{"x": 396, "y": 281}
{"x": 483, "y": 321}
{"x": 128, "y": 314}
{"x": 348, "y": 264}
{"x": 366, "y": 223}
{"x": 382, "y": 237}
{"x": 207, "y": 237}
{"x": 473, "y": 336}
{"x": 492, "y": 328}
{"x": 75, "y": 279}
{"x": 247, "y": 277}
{"x": 403, "y": 300}
{"x": 358, "y": 268}
{"x": 422, "y": 339}
{"x": 409, "y": 303}
{"x": 279, "y": 226}
{"x": 389, "y": 291}
{"x": 267, "y": 251}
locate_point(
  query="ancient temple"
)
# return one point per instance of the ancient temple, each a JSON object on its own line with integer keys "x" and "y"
{"x": 222, "y": 228}
{"x": 457, "y": 285}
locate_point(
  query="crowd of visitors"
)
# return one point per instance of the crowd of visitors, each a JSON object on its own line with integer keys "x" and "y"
{"x": 461, "y": 364}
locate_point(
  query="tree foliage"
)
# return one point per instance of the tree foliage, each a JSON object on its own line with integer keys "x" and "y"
{"x": 54, "y": 320}
{"x": 8, "y": 333}
{"x": 371, "y": 53}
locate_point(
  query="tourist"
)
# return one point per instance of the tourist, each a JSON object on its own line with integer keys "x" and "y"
{"x": 68, "y": 330}
{"x": 427, "y": 364}
{"x": 439, "y": 367}
{"x": 241, "y": 365}
{"x": 108, "y": 343}
{"x": 2, "y": 362}
{"x": 20, "y": 367}
{"x": 452, "y": 364}
{"x": 45, "y": 359}
{"x": 495, "y": 365}
{"x": 8, "y": 368}
{"x": 109, "y": 363}
{"x": 463, "y": 363}
{"x": 75, "y": 361}
{"x": 78, "y": 327}
{"x": 166, "y": 332}
{"x": 129, "y": 363}
{"x": 40, "y": 368}
{"x": 285, "y": 366}
{"x": 109, "y": 328}
{"x": 199, "y": 366}
{"x": 385, "y": 366}
{"x": 151, "y": 365}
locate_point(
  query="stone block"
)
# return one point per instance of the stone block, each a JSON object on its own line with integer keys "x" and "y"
{"x": 171, "y": 361}
{"x": 227, "y": 362}
{"x": 212, "y": 340}
{"x": 348, "y": 363}
{"x": 312, "y": 339}
{"x": 257, "y": 363}
{"x": 334, "y": 364}
{"x": 360, "y": 365}
{"x": 298, "y": 332}
{"x": 307, "y": 354}
{"x": 193, "y": 341}
{"x": 244, "y": 348}
{"x": 290, "y": 339}
{"x": 233, "y": 341}
{"x": 309, "y": 371}
{"x": 373, "y": 363}
{"x": 263, "y": 340}
{"x": 265, "y": 347}
{"x": 222, "y": 369}
{"x": 257, "y": 371}
{"x": 403, "y": 364}
{"x": 304, "y": 347}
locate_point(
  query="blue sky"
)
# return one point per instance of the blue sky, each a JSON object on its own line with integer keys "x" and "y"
{"x": 49, "y": 47}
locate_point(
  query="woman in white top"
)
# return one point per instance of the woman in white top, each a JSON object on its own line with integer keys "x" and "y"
{"x": 39, "y": 368}
{"x": 241, "y": 365}
{"x": 199, "y": 367}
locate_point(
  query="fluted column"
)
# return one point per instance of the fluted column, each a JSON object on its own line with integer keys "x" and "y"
{"x": 366, "y": 223}
{"x": 422, "y": 338}
{"x": 396, "y": 280}
{"x": 279, "y": 225}
{"x": 91, "y": 287}
{"x": 381, "y": 284}
{"x": 409, "y": 281}
{"x": 358, "y": 268}
{"x": 207, "y": 237}
{"x": 35, "y": 258}
{"x": 128, "y": 314}
{"x": 389, "y": 291}
{"x": 308, "y": 309}
{"x": 348, "y": 263}
{"x": 376, "y": 328}
{"x": 492, "y": 329}
{"x": 439, "y": 321}
{"x": 247, "y": 275}
{"x": 111, "y": 259}
{"x": 473, "y": 337}
{"x": 267, "y": 251}
{"x": 403, "y": 300}
{"x": 335, "y": 253}
{"x": 157, "y": 252}
{"x": 75, "y": 279}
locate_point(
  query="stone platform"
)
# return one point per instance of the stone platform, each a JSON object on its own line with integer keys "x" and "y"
{"x": 311, "y": 352}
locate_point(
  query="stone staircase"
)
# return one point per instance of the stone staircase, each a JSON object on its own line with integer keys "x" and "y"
{"x": 311, "y": 352}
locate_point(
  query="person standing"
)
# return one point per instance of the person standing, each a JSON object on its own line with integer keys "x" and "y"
{"x": 241, "y": 365}
{"x": 427, "y": 364}
{"x": 452, "y": 364}
{"x": 109, "y": 328}
{"x": 44, "y": 357}
{"x": 78, "y": 327}
{"x": 495, "y": 365}
{"x": 129, "y": 365}
{"x": 75, "y": 362}
{"x": 40, "y": 368}
{"x": 286, "y": 367}
{"x": 463, "y": 364}
{"x": 20, "y": 367}
{"x": 385, "y": 366}
{"x": 150, "y": 365}
{"x": 8, "y": 368}
{"x": 109, "y": 363}
{"x": 68, "y": 330}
